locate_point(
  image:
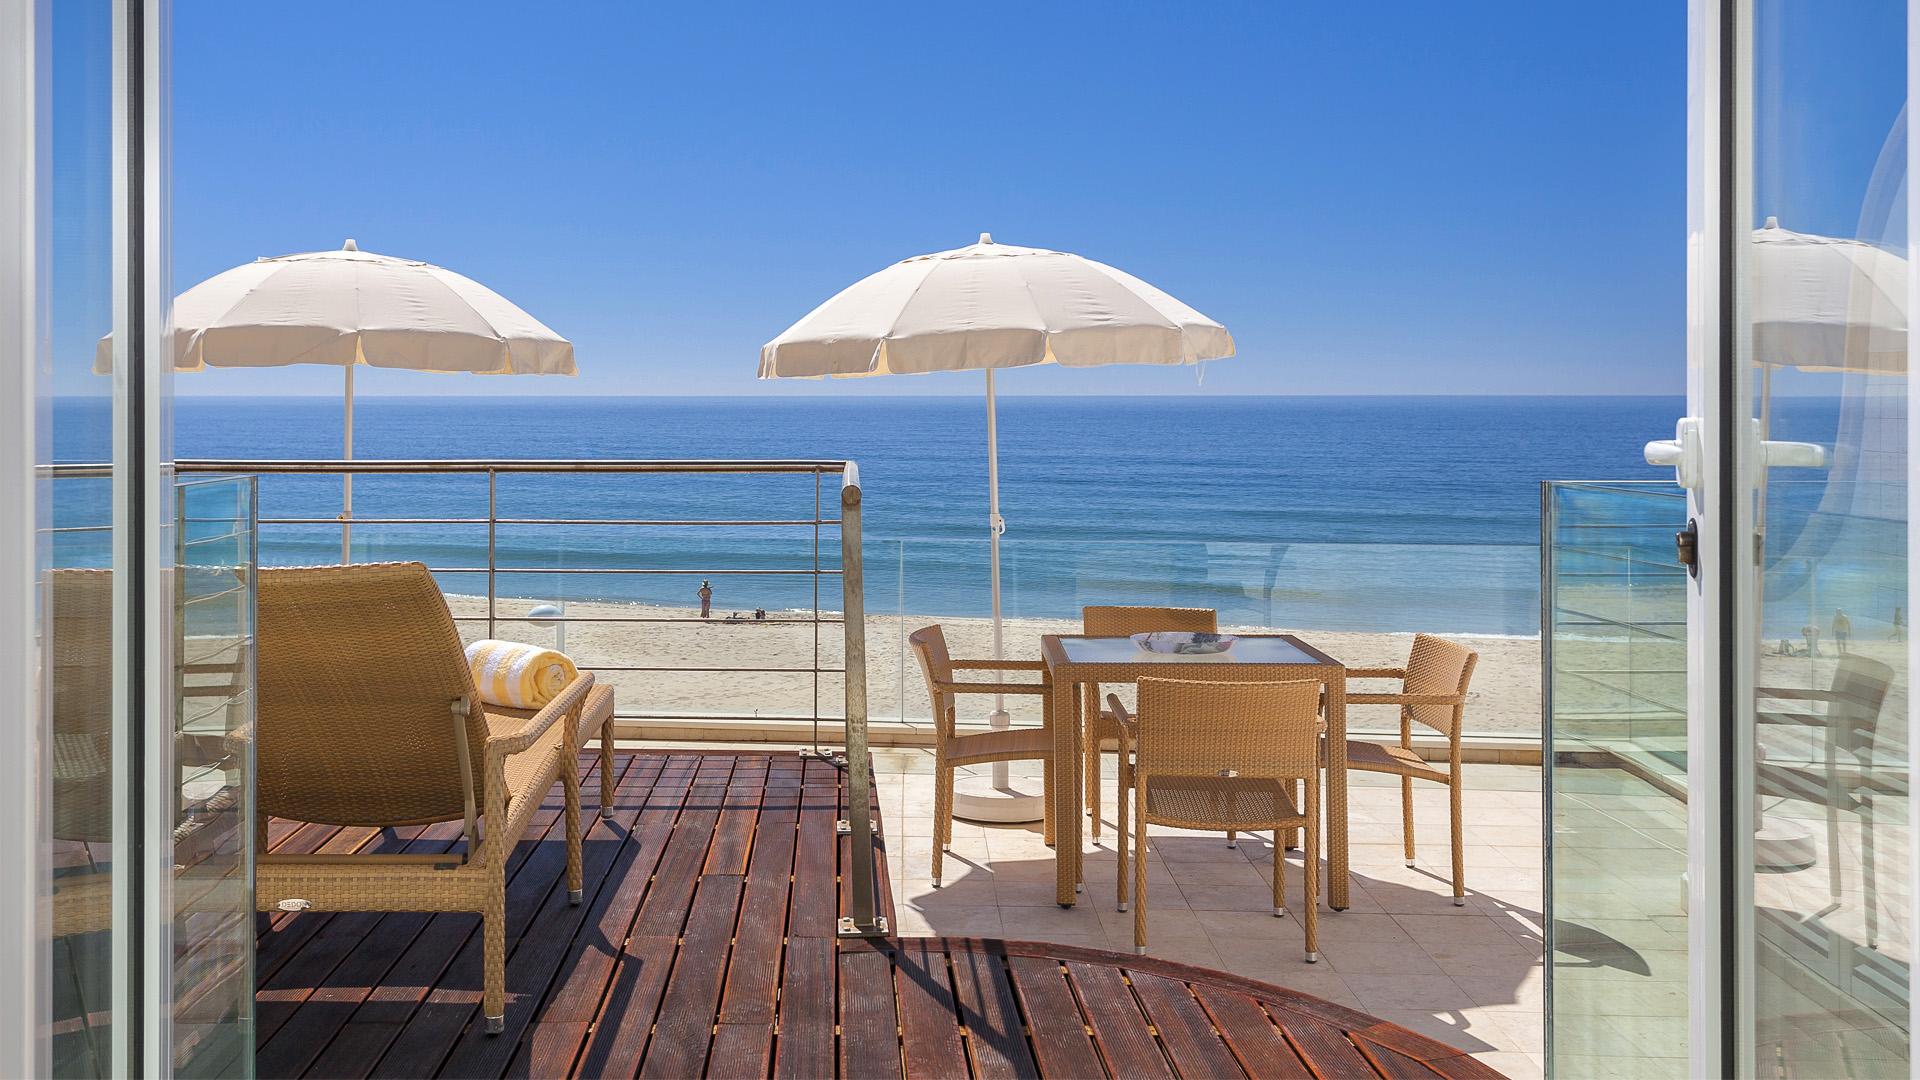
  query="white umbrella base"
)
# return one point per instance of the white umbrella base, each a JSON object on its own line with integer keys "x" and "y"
{"x": 1018, "y": 800}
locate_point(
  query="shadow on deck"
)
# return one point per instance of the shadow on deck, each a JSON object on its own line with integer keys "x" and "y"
{"x": 706, "y": 945}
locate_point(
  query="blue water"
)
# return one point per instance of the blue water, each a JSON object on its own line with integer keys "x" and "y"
{"x": 1336, "y": 513}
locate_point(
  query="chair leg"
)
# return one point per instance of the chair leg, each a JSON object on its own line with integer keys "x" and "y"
{"x": 570, "y": 785}
{"x": 606, "y": 769}
{"x": 1310, "y": 888}
{"x": 493, "y": 933}
{"x": 1459, "y": 853}
{"x": 1140, "y": 882}
{"x": 1280, "y": 874}
{"x": 942, "y": 816}
{"x": 1046, "y": 813}
{"x": 1090, "y": 747}
{"x": 1120, "y": 792}
{"x": 1293, "y": 834}
{"x": 1233, "y": 840}
{"x": 1406, "y": 815}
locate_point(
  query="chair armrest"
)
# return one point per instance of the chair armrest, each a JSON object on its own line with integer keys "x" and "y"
{"x": 1795, "y": 693}
{"x": 568, "y": 701}
{"x": 992, "y": 688}
{"x": 1377, "y": 673}
{"x": 1001, "y": 665}
{"x": 1123, "y": 723}
{"x": 1405, "y": 699}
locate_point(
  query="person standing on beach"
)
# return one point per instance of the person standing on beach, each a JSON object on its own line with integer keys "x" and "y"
{"x": 1812, "y": 634}
{"x": 1899, "y": 625}
{"x": 706, "y": 599}
{"x": 1842, "y": 630}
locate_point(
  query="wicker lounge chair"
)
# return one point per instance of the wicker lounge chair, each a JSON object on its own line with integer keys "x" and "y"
{"x": 952, "y": 749}
{"x": 368, "y": 717}
{"x": 1433, "y": 690}
{"x": 1223, "y": 755}
{"x": 1101, "y": 731}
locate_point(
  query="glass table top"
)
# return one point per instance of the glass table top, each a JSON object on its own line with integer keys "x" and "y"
{"x": 1246, "y": 650}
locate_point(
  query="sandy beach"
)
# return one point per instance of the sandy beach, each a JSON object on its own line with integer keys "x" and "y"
{"x": 1505, "y": 698}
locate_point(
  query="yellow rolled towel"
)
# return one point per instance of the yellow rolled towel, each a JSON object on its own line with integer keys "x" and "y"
{"x": 518, "y": 675}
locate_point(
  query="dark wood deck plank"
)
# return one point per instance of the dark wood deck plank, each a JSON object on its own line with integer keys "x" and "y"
{"x": 685, "y": 1024}
{"x": 1185, "y": 1029}
{"x": 1119, "y": 1028}
{"x": 1250, "y": 1034}
{"x": 930, "y": 1043}
{"x": 1325, "y": 1048}
{"x": 706, "y": 945}
{"x": 996, "y": 1040}
{"x": 804, "y": 1046}
{"x": 869, "y": 1025}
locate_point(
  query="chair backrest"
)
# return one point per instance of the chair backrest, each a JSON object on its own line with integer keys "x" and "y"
{"x": 365, "y": 699}
{"x": 929, "y": 644}
{"x": 79, "y": 651}
{"x": 1265, "y": 730}
{"x": 1858, "y": 692}
{"x": 1439, "y": 667}
{"x": 1119, "y": 621}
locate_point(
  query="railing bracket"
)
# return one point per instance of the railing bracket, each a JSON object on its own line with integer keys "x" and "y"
{"x": 850, "y": 928}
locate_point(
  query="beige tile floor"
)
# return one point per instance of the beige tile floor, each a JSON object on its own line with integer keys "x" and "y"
{"x": 1469, "y": 976}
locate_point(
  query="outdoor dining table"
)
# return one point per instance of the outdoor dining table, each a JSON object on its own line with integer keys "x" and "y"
{"x": 1074, "y": 661}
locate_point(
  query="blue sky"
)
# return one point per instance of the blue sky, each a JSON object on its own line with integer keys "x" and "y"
{"x": 1406, "y": 198}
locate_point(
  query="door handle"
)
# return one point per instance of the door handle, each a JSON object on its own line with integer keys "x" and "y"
{"x": 1686, "y": 453}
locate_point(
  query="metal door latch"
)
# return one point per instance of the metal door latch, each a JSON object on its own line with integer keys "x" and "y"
{"x": 1686, "y": 545}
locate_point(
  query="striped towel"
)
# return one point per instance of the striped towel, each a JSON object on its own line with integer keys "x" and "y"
{"x": 517, "y": 675}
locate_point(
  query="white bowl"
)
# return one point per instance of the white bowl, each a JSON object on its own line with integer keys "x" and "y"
{"x": 1184, "y": 642}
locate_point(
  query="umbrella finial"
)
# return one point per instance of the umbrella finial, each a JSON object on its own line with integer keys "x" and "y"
{"x": 349, "y": 245}
{"x": 1772, "y": 222}
{"x": 986, "y": 238}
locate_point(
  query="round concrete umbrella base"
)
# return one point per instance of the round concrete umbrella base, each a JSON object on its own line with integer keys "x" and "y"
{"x": 989, "y": 800}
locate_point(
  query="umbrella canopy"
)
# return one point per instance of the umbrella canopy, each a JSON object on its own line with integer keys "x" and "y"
{"x": 985, "y": 307}
{"x": 351, "y": 307}
{"x": 992, "y": 306}
{"x": 1821, "y": 303}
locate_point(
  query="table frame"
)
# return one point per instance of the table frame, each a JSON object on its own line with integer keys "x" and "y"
{"x": 1068, "y": 678}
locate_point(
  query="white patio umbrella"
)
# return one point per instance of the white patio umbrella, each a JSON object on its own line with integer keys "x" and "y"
{"x": 351, "y": 307}
{"x": 989, "y": 306}
{"x": 1823, "y": 303}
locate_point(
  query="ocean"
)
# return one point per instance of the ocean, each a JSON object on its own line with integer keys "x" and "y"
{"x": 1340, "y": 513}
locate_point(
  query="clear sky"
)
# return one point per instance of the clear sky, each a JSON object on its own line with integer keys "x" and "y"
{"x": 1393, "y": 198}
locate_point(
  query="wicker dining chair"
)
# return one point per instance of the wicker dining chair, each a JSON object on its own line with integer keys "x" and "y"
{"x": 1223, "y": 755}
{"x": 952, "y": 749}
{"x": 1100, "y": 729}
{"x": 368, "y": 717}
{"x": 1433, "y": 690}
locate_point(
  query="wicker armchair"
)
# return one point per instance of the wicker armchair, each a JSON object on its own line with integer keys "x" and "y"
{"x": 1433, "y": 690}
{"x": 1101, "y": 729}
{"x": 1223, "y": 755}
{"x": 368, "y": 717}
{"x": 952, "y": 749}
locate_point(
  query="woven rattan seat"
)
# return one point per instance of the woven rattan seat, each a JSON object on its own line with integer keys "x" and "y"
{"x": 368, "y": 716}
{"x": 952, "y": 749}
{"x": 1203, "y": 802}
{"x": 1433, "y": 691}
{"x": 1379, "y": 757}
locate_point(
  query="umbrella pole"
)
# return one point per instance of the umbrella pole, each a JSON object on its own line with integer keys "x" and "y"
{"x": 346, "y": 479}
{"x": 995, "y": 526}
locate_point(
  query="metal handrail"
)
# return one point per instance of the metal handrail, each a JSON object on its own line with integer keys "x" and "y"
{"x": 864, "y": 918}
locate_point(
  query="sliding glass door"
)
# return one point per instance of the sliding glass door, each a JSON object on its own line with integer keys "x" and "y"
{"x": 1800, "y": 854}
{"x": 125, "y": 597}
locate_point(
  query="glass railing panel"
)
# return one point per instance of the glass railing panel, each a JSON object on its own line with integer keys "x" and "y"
{"x": 213, "y": 857}
{"x": 1361, "y": 603}
{"x": 1615, "y": 609}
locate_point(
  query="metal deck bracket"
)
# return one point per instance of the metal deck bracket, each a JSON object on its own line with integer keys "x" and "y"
{"x": 850, "y": 928}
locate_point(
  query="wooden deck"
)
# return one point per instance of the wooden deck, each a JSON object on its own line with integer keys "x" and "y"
{"x": 706, "y": 945}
